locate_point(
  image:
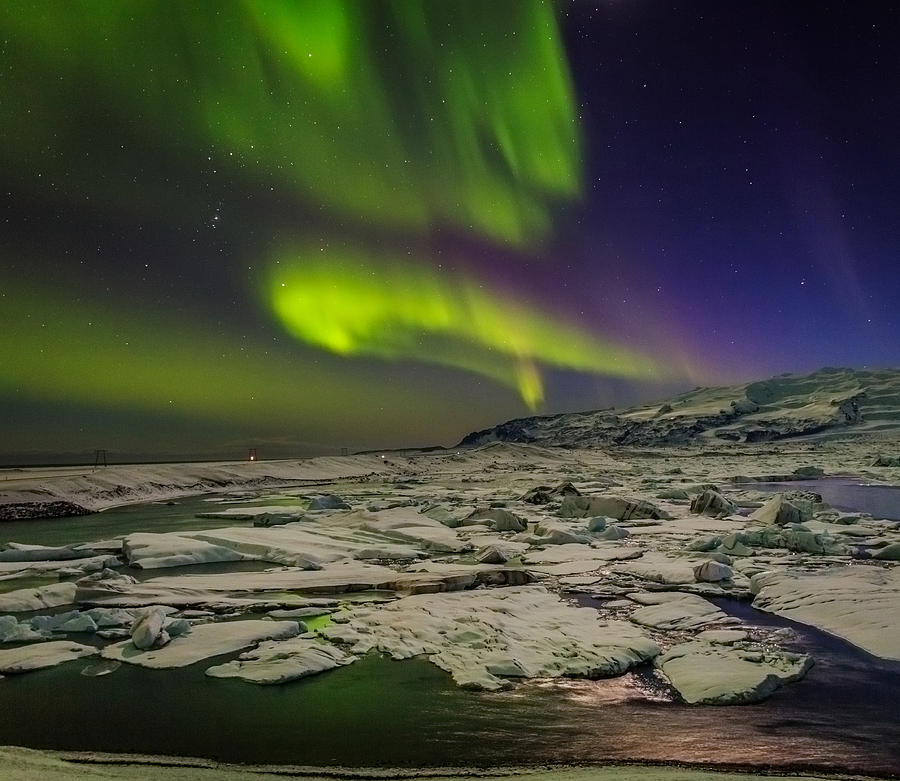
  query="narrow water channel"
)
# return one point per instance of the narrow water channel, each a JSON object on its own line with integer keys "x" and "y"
{"x": 880, "y": 501}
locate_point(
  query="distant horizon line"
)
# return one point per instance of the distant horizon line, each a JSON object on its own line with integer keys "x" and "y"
{"x": 133, "y": 460}
{"x": 33, "y": 459}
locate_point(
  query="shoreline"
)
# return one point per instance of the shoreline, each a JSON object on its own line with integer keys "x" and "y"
{"x": 24, "y": 763}
{"x": 119, "y": 486}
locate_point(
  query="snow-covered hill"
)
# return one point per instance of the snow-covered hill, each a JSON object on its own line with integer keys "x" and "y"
{"x": 829, "y": 401}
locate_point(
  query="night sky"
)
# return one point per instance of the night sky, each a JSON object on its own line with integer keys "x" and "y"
{"x": 302, "y": 226}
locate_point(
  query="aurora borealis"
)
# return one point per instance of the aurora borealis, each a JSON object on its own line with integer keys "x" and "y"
{"x": 350, "y": 305}
{"x": 403, "y": 113}
{"x": 313, "y": 224}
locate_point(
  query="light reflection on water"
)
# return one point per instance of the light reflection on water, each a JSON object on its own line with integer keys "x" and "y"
{"x": 177, "y": 516}
{"x": 627, "y": 688}
{"x": 880, "y": 501}
{"x": 378, "y": 712}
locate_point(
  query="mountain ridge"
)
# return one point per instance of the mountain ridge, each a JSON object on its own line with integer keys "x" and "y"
{"x": 826, "y": 402}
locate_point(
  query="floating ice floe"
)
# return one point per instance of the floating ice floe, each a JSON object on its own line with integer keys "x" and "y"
{"x": 858, "y": 602}
{"x": 617, "y": 507}
{"x": 40, "y": 598}
{"x": 673, "y": 610}
{"x": 313, "y": 544}
{"x": 204, "y": 641}
{"x": 10, "y": 570}
{"x": 282, "y": 661}
{"x": 285, "y": 587}
{"x": 485, "y": 638}
{"x": 40, "y": 655}
{"x": 18, "y": 552}
{"x": 155, "y": 551}
{"x": 713, "y": 674}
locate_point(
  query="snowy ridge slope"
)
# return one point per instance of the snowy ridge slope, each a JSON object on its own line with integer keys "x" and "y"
{"x": 828, "y": 401}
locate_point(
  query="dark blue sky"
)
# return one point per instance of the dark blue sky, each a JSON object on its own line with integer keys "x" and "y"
{"x": 743, "y": 162}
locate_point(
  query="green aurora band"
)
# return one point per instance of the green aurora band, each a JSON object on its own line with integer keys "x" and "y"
{"x": 406, "y": 114}
{"x": 352, "y": 304}
{"x": 128, "y": 357}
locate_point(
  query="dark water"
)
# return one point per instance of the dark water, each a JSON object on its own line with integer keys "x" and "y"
{"x": 180, "y": 516}
{"x": 156, "y": 517}
{"x": 881, "y": 501}
{"x": 377, "y": 712}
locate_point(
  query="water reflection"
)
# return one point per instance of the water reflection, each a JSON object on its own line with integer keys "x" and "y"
{"x": 880, "y": 501}
{"x": 844, "y": 714}
{"x": 628, "y": 688}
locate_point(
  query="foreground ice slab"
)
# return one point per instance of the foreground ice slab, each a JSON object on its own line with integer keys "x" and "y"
{"x": 482, "y": 638}
{"x": 308, "y": 544}
{"x": 659, "y": 568}
{"x": 286, "y": 585}
{"x": 40, "y": 655}
{"x": 672, "y": 610}
{"x": 203, "y": 642}
{"x": 27, "y": 599}
{"x": 10, "y": 570}
{"x": 250, "y": 513}
{"x": 19, "y": 552}
{"x": 860, "y": 603}
{"x": 408, "y": 525}
{"x": 574, "y": 558}
{"x": 11, "y": 631}
{"x": 283, "y": 661}
{"x": 620, "y": 508}
{"x": 246, "y": 587}
{"x": 155, "y": 551}
{"x": 707, "y": 674}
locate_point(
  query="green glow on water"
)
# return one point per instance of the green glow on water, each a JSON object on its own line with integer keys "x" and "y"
{"x": 315, "y": 623}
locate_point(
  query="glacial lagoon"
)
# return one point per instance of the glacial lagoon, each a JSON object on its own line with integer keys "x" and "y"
{"x": 379, "y": 712}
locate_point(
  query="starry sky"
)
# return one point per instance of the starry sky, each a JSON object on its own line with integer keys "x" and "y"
{"x": 307, "y": 225}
